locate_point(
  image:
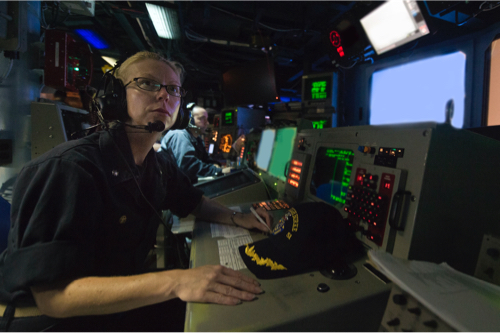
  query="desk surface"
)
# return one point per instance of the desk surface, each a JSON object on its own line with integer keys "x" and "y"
{"x": 292, "y": 303}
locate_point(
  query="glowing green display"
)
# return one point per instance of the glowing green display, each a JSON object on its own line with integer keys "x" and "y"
{"x": 344, "y": 168}
{"x": 318, "y": 90}
{"x": 228, "y": 118}
{"x": 319, "y": 124}
{"x": 282, "y": 151}
{"x": 332, "y": 173}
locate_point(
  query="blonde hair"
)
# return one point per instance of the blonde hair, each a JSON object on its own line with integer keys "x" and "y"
{"x": 143, "y": 55}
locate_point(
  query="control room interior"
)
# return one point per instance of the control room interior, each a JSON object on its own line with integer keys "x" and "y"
{"x": 308, "y": 101}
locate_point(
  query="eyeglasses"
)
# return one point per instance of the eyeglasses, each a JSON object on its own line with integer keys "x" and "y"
{"x": 151, "y": 85}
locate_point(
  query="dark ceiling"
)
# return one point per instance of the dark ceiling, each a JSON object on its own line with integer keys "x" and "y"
{"x": 220, "y": 35}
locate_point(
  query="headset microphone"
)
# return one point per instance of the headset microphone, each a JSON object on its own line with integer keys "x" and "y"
{"x": 157, "y": 126}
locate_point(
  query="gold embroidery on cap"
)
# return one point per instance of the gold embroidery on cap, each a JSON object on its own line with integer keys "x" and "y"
{"x": 250, "y": 251}
{"x": 288, "y": 235}
{"x": 295, "y": 217}
{"x": 123, "y": 219}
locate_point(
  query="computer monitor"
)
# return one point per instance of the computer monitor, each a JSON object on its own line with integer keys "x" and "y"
{"x": 331, "y": 174}
{"x": 265, "y": 151}
{"x": 394, "y": 23}
{"x": 228, "y": 118}
{"x": 282, "y": 151}
{"x": 319, "y": 89}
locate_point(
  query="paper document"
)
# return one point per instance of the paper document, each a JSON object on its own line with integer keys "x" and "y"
{"x": 462, "y": 301}
{"x": 227, "y": 231}
{"x": 229, "y": 255}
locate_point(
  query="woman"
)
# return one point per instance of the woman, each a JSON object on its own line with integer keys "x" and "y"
{"x": 85, "y": 214}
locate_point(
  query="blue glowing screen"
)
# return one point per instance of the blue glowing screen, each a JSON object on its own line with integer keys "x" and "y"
{"x": 418, "y": 91}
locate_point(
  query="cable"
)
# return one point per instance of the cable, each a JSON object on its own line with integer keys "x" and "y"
{"x": 170, "y": 233}
{"x": 261, "y": 24}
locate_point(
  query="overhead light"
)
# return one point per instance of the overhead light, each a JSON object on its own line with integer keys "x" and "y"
{"x": 93, "y": 38}
{"x": 109, "y": 60}
{"x": 165, "y": 21}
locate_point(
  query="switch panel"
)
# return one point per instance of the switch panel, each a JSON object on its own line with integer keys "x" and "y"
{"x": 488, "y": 262}
{"x": 405, "y": 314}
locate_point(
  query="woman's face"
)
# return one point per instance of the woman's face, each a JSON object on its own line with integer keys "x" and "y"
{"x": 149, "y": 106}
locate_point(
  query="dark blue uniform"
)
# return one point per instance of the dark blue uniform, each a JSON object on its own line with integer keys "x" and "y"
{"x": 77, "y": 211}
{"x": 190, "y": 154}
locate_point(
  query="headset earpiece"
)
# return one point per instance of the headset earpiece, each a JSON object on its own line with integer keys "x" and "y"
{"x": 113, "y": 102}
{"x": 191, "y": 119}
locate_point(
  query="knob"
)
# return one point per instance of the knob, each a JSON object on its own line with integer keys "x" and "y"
{"x": 415, "y": 311}
{"x": 323, "y": 288}
{"x": 399, "y": 299}
{"x": 431, "y": 323}
{"x": 393, "y": 322}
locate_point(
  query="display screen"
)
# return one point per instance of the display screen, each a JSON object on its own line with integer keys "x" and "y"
{"x": 331, "y": 174}
{"x": 228, "y": 118}
{"x": 265, "y": 150}
{"x": 393, "y": 24}
{"x": 319, "y": 124}
{"x": 318, "y": 88}
{"x": 282, "y": 152}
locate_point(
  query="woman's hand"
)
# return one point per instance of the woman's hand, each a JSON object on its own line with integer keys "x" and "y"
{"x": 215, "y": 284}
{"x": 249, "y": 221}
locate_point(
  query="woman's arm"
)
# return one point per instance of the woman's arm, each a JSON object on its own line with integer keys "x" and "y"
{"x": 106, "y": 295}
{"x": 213, "y": 211}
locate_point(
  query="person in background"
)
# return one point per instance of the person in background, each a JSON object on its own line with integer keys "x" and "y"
{"x": 188, "y": 148}
{"x": 85, "y": 216}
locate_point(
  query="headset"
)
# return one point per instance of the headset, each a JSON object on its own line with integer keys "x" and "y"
{"x": 191, "y": 123}
{"x": 112, "y": 105}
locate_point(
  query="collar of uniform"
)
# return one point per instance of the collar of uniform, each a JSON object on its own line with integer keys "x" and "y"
{"x": 116, "y": 155}
{"x": 192, "y": 138}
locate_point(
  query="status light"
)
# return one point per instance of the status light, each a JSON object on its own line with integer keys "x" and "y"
{"x": 335, "y": 38}
{"x": 293, "y": 183}
{"x": 340, "y": 50}
{"x": 296, "y": 163}
{"x": 294, "y": 176}
{"x": 296, "y": 170}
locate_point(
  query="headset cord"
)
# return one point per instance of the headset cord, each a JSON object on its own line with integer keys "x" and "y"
{"x": 169, "y": 232}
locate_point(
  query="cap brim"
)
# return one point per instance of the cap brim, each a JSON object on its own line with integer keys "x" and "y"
{"x": 267, "y": 262}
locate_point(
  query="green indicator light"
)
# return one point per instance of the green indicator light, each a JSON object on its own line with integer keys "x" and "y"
{"x": 77, "y": 69}
{"x": 275, "y": 184}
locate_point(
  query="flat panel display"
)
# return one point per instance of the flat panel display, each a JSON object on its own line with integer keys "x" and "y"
{"x": 282, "y": 152}
{"x": 436, "y": 79}
{"x": 265, "y": 150}
{"x": 331, "y": 174}
{"x": 393, "y": 24}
